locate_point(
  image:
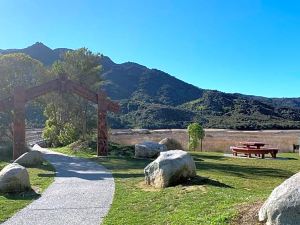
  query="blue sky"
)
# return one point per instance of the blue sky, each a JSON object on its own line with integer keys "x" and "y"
{"x": 245, "y": 46}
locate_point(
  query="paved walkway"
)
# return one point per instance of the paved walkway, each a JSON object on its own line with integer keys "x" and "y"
{"x": 82, "y": 193}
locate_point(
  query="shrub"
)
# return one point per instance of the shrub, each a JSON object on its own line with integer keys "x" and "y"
{"x": 68, "y": 134}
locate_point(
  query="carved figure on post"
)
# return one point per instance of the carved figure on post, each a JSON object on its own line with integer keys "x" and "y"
{"x": 104, "y": 105}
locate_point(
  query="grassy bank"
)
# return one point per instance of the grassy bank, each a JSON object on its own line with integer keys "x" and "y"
{"x": 40, "y": 178}
{"x": 223, "y": 186}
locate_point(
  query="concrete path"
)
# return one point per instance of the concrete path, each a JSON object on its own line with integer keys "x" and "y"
{"x": 82, "y": 193}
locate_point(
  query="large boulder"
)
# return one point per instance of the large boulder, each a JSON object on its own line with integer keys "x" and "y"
{"x": 14, "y": 178}
{"x": 148, "y": 149}
{"x": 283, "y": 205}
{"x": 31, "y": 158}
{"x": 171, "y": 143}
{"x": 170, "y": 168}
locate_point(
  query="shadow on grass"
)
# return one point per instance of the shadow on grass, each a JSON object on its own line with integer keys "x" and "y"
{"x": 47, "y": 167}
{"x": 128, "y": 175}
{"x": 128, "y": 163}
{"x": 46, "y": 175}
{"x": 284, "y": 158}
{"x": 198, "y": 157}
{"x": 26, "y": 195}
{"x": 205, "y": 181}
{"x": 243, "y": 171}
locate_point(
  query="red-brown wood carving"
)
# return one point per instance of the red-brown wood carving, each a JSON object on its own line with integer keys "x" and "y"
{"x": 19, "y": 122}
{"x": 21, "y": 96}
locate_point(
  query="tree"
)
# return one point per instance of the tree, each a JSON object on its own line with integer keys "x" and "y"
{"x": 69, "y": 115}
{"x": 17, "y": 70}
{"x": 196, "y": 133}
{"x": 20, "y": 70}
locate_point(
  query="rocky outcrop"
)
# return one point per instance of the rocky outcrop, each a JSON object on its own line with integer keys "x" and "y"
{"x": 31, "y": 158}
{"x": 171, "y": 143}
{"x": 14, "y": 178}
{"x": 283, "y": 205}
{"x": 148, "y": 149}
{"x": 170, "y": 168}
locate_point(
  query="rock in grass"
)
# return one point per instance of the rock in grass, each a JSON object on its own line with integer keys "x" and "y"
{"x": 170, "y": 168}
{"x": 14, "y": 178}
{"x": 31, "y": 158}
{"x": 148, "y": 149}
{"x": 171, "y": 143}
{"x": 283, "y": 205}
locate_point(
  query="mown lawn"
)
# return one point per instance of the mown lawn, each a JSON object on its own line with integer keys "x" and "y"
{"x": 40, "y": 179}
{"x": 222, "y": 186}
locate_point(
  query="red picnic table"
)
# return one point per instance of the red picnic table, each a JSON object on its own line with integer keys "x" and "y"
{"x": 252, "y": 147}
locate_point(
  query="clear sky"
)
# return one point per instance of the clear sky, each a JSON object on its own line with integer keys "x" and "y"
{"x": 245, "y": 46}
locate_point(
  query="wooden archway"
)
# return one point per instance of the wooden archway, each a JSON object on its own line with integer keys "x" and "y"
{"x": 21, "y": 96}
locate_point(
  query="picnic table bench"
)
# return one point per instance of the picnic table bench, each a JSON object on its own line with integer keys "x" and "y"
{"x": 256, "y": 148}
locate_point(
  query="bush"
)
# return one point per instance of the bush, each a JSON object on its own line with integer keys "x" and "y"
{"x": 68, "y": 134}
{"x": 50, "y": 134}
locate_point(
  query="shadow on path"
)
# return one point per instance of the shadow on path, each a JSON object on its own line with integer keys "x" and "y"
{"x": 67, "y": 166}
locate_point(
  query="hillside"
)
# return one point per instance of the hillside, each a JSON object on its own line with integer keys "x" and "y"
{"x": 151, "y": 98}
{"x": 237, "y": 111}
{"x": 138, "y": 83}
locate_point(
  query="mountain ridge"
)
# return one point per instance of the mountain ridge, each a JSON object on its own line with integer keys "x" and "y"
{"x": 151, "y": 98}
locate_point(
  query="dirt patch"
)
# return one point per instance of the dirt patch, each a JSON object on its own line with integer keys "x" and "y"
{"x": 248, "y": 214}
{"x": 142, "y": 185}
{"x": 195, "y": 188}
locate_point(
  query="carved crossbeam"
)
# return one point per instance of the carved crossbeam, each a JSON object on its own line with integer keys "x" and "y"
{"x": 106, "y": 104}
{"x": 40, "y": 90}
{"x": 86, "y": 93}
{"x": 62, "y": 84}
{"x": 82, "y": 91}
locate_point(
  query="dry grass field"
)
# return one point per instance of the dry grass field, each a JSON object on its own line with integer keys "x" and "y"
{"x": 216, "y": 140}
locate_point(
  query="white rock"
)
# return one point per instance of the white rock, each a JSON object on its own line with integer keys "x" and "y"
{"x": 31, "y": 158}
{"x": 148, "y": 149}
{"x": 170, "y": 168}
{"x": 171, "y": 143}
{"x": 283, "y": 205}
{"x": 14, "y": 178}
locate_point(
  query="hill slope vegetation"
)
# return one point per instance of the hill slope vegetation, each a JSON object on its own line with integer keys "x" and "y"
{"x": 151, "y": 98}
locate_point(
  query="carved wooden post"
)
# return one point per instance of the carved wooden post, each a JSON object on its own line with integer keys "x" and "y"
{"x": 19, "y": 122}
{"x": 102, "y": 141}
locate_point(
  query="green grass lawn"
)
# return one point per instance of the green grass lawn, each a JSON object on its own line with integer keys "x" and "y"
{"x": 213, "y": 197}
{"x": 40, "y": 179}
